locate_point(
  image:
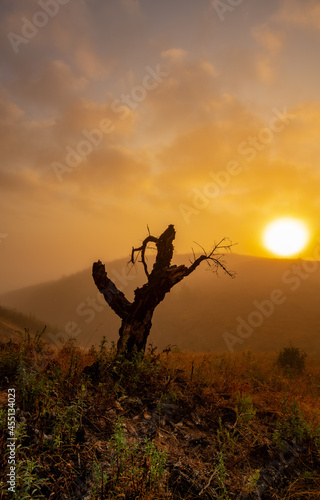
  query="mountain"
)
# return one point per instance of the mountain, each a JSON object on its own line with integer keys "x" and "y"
{"x": 270, "y": 303}
{"x": 13, "y": 323}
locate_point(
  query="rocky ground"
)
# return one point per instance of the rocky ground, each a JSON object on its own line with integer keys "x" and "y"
{"x": 151, "y": 429}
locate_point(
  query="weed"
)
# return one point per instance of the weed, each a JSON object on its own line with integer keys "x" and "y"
{"x": 293, "y": 425}
{"x": 157, "y": 461}
{"x": 135, "y": 374}
{"x": 111, "y": 458}
{"x": 28, "y": 472}
{"x": 227, "y": 440}
{"x": 134, "y": 470}
{"x": 291, "y": 360}
{"x": 29, "y": 482}
{"x": 100, "y": 479}
{"x": 308, "y": 475}
{"x": 244, "y": 409}
{"x": 68, "y": 420}
{"x": 252, "y": 481}
{"x": 32, "y": 387}
{"x": 221, "y": 475}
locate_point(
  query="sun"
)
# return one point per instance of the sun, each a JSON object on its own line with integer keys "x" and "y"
{"x": 286, "y": 237}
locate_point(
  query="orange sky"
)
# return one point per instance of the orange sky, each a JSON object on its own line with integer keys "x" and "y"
{"x": 119, "y": 114}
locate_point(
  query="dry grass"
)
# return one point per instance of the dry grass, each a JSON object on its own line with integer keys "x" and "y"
{"x": 174, "y": 425}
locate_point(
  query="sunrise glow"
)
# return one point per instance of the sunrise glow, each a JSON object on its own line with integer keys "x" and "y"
{"x": 286, "y": 237}
{"x": 120, "y": 114}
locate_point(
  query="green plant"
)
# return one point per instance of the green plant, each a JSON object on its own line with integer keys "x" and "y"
{"x": 68, "y": 420}
{"x": 227, "y": 440}
{"x": 221, "y": 475}
{"x": 27, "y": 472}
{"x": 293, "y": 425}
{"x": 36, "y": 341}
{"x": 134, "y": 470}
{"x": 119, "y": 442}
{"x": 244, "y": 409}
{"x": 133, "y": 373}
{"x": 30, "y": 387}
{"x": 100, "y": 479}
{"x": 309, "y": 475}
{"x": 291, "y": 360}
{"x": 157, "y": 461}
{"x": 29, "y": 482}
{"x": 252, "y": 481}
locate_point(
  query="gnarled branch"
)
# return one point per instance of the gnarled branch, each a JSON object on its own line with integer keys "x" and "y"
{"x": 114, "y": 297}
{"x": 164, "y": 250}
{"x": 214, "y": 256}
{"x": 143, "y": 249}
{"x": 137, "y": 316}
{"x": 177, "y": 273}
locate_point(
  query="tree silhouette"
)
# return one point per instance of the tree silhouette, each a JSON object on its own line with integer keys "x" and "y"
{"x": 136, "y": 316}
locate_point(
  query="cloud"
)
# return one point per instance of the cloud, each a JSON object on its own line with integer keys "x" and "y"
{"x": 114, "y": 172}
{"x": 297, "y": 13}
{"x": 265, "y": 69}
{"x": 90, "y": 64}
{"x": 282, "y": 178}
{"x": 84, "y": 113}
{"x": 10, "y": 112}
{"x": 53, "y": 86}
{"x": 299, "y": 143}
{"x": 174, "y": 54}
{"x": 185, "y": 97}
{"x": 267, "y": 38}
{"x": 188, "y": 162}
{"x": 271, "y": 41}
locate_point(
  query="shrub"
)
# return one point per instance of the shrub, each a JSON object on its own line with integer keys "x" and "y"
{"x": 135, "y": 471}
{"x": 291, "y": 360}
{"x": 293, "y": 425}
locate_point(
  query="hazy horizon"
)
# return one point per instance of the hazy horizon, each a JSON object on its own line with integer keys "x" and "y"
{"x": 273, "y": 300}
{"x": 58, "y": 278}
{"x": 121, "y": 114}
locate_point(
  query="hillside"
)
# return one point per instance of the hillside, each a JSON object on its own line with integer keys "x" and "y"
{"x": 202, "y": 313}
{"x": 12, "y": 323}
{"x": 169, "y": 426}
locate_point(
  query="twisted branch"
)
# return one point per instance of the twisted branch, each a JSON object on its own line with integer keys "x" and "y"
{"x": 114, "y": 297}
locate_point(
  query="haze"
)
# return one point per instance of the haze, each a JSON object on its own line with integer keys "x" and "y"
{"x": 119, "y": 114}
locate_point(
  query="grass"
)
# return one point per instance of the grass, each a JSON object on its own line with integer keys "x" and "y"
{"x": 160, "y": 426}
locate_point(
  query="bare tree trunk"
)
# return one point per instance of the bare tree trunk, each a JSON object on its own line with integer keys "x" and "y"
{"x": 136, "y": 316}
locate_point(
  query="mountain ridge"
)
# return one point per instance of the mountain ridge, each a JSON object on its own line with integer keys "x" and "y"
{"x": 201, "y": 313}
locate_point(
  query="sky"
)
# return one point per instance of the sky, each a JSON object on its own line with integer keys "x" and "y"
{"x": 119, "y": 114}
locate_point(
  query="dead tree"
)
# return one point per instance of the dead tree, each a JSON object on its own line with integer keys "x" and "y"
{"x": 136, "y": 316}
